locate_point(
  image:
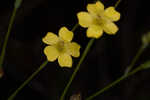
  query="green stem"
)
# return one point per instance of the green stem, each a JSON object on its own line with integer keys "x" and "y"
{"x": 74, "y": 28}
{"x": 117, "y": 3}
{"x": 77, "y": 68}
{"x": 7, "y": 36}
{"x": 12, "y": 96}
{"x": 114, "y": 83}
{"x": 17, "y": 3}
{"x": 140, "y": 51}
{"x": 81, "y": 60}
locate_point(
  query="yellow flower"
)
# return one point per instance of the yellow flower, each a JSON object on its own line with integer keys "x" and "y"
{"x": 98, "y": 20}
{"x": 61, "y": 47}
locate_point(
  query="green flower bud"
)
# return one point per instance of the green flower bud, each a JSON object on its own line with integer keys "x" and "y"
{"x": 146, "y": 39}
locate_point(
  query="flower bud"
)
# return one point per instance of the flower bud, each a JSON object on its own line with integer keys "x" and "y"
{"x": 146, "y": 39}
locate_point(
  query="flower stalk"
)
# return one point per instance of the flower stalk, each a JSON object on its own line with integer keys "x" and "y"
{"x": 7, "y": 36}
{"x": 129, "y": 68}
{"x": 13, "y": 95}
{"x": 12, "y": 19}
{"x": 114, "y": 83}
{"x": 85, "y": 20}
{"x": 77, "y": 68}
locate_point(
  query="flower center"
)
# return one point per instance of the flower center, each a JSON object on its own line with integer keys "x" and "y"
{"x": 99, "y": 19}
{"x": 60, "y": 45}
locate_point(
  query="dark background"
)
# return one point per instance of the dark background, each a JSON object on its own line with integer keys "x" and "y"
{"x": 105, "y": 62}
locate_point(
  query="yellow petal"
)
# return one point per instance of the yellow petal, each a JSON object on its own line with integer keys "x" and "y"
{"x": 74, "y": 49}
{"x": 50, "y": 38}
{"x": 95, "y": 8}
{"x": 65, "y": 34}
{"x": 94, "y": 31}
{"x": 85, "y": 19}
{"x": 112, "y": 14}
{"x": 65, "y": 60}
{"x": 51, "y": 53}
{"x": 99, "y": 5}
{"x": 110, "y": 28}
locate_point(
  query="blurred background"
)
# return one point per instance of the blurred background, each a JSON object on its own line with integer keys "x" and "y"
{"x": 106, "y": 61}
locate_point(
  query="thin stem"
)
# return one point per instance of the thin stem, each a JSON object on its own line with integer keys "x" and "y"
{"x": 74, "y": 28}
{"x": 117, "y": 3}
{"x": 12, "y": 96}
{"x": 113, "y": 83}
{"x": 81, "y": 60}
{"x": 17, "y": 3}
{"x": 7, "y": 36}
{"x": 77, "y": 68}
{"x": 140, "y": 51}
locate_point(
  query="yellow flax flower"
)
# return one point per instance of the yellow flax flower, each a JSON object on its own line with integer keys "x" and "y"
{"x": 61, "y": 47}
{"x": 98, "y": 19}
